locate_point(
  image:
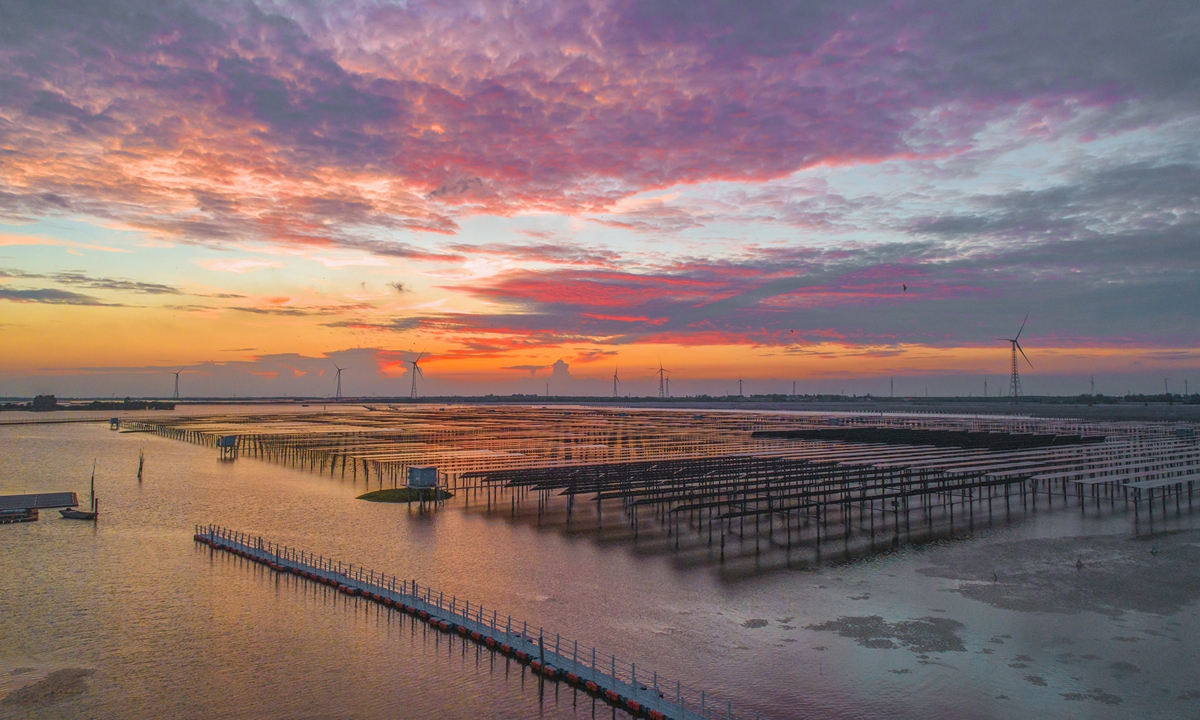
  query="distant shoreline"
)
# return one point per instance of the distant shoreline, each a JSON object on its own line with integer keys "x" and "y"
{"x": 1107, "y": 409}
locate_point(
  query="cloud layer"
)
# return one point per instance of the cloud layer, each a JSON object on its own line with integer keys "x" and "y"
{"x": 291, "y": 123}
{"x": 770, "y": 173}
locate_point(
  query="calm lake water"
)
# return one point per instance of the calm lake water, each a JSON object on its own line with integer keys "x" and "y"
{"x": 990, "y": 627}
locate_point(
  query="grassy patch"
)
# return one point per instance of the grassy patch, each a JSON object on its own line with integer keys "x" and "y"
{"x": 404, "y": 495}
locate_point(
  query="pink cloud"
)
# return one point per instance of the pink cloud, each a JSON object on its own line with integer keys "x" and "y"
{"x": 322, "y": 128}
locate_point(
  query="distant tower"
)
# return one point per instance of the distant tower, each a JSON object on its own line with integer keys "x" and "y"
{"x": 177, "y": 382}
{"x": 1093, "y": 386}
{"x": 740, "y": 386}
{"x": 985, "y": 386}
{"x": 892, "y": 387}
{"x": 416, "y": 370}
{"x": 1014, "y": 383}
{"x": 793, "y": 388}
{"x": 338, "y": 392}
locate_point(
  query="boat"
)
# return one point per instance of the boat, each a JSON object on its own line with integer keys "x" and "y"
{"x": 73, "y": 514}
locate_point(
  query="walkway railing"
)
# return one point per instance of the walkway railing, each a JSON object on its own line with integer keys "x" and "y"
{"x": 602, "y": 674}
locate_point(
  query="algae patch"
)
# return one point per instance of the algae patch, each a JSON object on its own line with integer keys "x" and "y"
{"x": 56, "y": 686}
{"x": 1119, "y": 574}
{"x": 923, "y": 635}
{"x": 406, "y": 495}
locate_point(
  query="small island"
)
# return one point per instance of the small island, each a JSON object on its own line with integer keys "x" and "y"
{"x": 406, "y": 495}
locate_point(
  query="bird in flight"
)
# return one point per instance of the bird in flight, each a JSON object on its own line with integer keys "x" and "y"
{"x": 904, "y": 286}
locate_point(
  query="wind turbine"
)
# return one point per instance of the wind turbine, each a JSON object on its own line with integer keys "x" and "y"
{"x": 176, "y": 374}
{"x": 338, "y": 393}
{"x": 616, "y": 381}
{"x": 662, "y": 376}
{"x": 668, "y": 383}
{"x": 416, "y": 370}
{"x": 1014, "y": 384}
{"x": 1165, "y": 391}
{"x": 740, "y": 386}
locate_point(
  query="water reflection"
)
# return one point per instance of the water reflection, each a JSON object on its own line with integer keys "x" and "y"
{"x": 172, "y": 630}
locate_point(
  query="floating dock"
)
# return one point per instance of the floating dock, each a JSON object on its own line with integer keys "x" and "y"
{"x": 24, "y": 508}
{"x": 551, "y": 656}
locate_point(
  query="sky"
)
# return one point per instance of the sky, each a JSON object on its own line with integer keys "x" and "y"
{"x": 538, "y": 195}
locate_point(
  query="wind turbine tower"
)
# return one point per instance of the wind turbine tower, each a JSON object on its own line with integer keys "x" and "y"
{"x": 740, "y": 386}
{"x": 616, "y": 381}
{"x": 176, "y": 374}
{"x": 1014, "y": 383}
{"x": 338, "y": 393}
{"x": 662, "y": 377}
{"x": 416, "y": 370}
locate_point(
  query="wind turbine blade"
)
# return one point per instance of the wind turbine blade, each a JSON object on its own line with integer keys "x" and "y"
{"x": 1018, "y": 337}
{"x": 1023, "y": 353}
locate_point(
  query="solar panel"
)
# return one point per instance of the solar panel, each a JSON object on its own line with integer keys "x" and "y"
{"x": 38, "y": 501}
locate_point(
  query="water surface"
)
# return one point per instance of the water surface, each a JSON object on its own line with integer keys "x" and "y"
{"x": 167, "y": 628}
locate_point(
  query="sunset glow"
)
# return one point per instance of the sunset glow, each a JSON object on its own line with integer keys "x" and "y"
{"x": 832, "y": 194}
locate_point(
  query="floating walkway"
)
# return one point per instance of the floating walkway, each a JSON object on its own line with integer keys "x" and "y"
{"x": 604, "y": 676}
{"x": 24, "y": 508}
